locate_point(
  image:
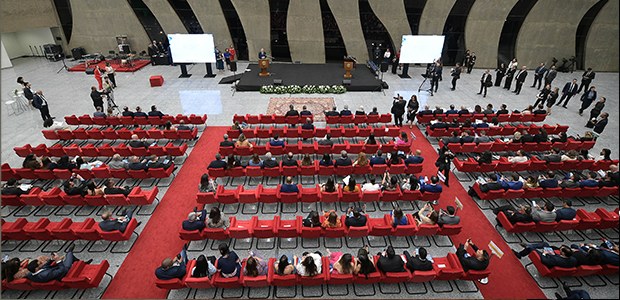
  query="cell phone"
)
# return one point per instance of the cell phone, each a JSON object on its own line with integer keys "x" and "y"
{"x": 533, "y": 203}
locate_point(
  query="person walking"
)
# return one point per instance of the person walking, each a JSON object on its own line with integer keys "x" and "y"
{"x": 398, "y": 109}
{"x": 570, "y": 89}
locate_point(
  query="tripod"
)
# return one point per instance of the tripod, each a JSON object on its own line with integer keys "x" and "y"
{"x": 64, "y": 66}
{"x": 111, "y": 104}
{"x": 233, "y": 88}
{"x": 422, "y": 84}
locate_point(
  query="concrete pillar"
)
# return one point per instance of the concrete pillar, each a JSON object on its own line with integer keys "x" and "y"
{"x": 434, "y": 16}
{"x": 602, "y": 41}
{"x": 166, "y": 16}
{"x": 256, "y": 21}
{"x": 304, "y": 28}
{"x": 393, "y": 16}
{"x": 347, "y": 15}
{"x": 211, "y": 18}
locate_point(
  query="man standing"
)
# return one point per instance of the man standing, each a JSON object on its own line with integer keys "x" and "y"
{"x": 398, "y": 109}
{"x": 485, "y": 82}
{"x": 539, "y": 72}
{"x": 434, "y": 73}
{"x": 520, "y": 79}
{"x": 456, "y": 75}
{"x": 262, "y": 54}
{"x": 471, "y": 63}
{"x": 39, "y": 102}
{"x": 550, "y": 76}
{"x": 586, "y": 100}
{"x": 97, "y": 97}
{"x": 570, "y": 89}
{"x": 586, "y": 79}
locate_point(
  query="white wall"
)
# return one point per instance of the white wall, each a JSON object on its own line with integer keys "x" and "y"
{"x": 17, "y": 43}
{"x": 6, "y": 61}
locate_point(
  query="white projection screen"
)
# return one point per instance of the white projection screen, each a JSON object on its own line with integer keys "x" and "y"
{"x": 192, "y": 48}
{"x": 420, "y": 49}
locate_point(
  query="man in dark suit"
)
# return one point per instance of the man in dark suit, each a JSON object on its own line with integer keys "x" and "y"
{"x": 415, "y": 159}
{"x": 139, "y": 112}
{"x": 553, "y": 156}
{"x": 182, "y": 126}
{"x": 308, "y": 125}
{"x": 586, "y": 255}
{"x": 448, "y": 216}
{"x": 154, "y": 163}
{"x": 276, "y": 141}
{"x": 127, "y": 112}
{"x": 390, "y": 262}
{"x": 378, "y": 159}
{"x": 398, "y": 109}
{"x": 511, "y": 182}
{"x": 567, "y": 212}
{"x": 503, "y": 109}
{"x": 97, "y": 97}
{"x": 112, "y": 189}
{"x": 491, "y": 184}
{"x": 52, "y": 271}
{"x": 520, "y": 79}
{"x": 466, "y": 138}
{"x": 539, "y": 73}
{"x": 456, "y": 75}
{"x": 109, "y": 223}
{"x": 485, "y": 82}
{"x": 345, "y": 111}
{"x": 551, "y": 74}
{"x": 548, "y": 180}
{"x": 218, "y": 163}
{"x": 479, "y": 261}
{"x": 418, "y": 261}
{"x": 439, "y": 124}
{"x": 28, "y": 93}
{"x": 570, "y": 89}
{"x": 564, "y": 259}
{"x": 136, "y": 164}
{"x": 540, "y": 110}
{"x": 523, "y": 214}
{"x": 600, "y": 124}
{"x": 137, "y": 143}
{"x": 172, "y": 268}
{"x": 11, "y": 188}
{"x": 290, "y": 161}
{"x": 291, "y": 112}
{"x": 154, "y": 112}
{"x": 526, "y": 137}
{"x": 355, "y": 218}
{"x": 332, "y": 113}
{"x": 40, "y": 103}
{"x": 438, "y": 110}
{"x": 453, "y": 139}
{"x": 270, "y": 162}
{"x": 76, "y": 185}
{"x": 305, "y": 112}
{"x": 195, "y": 220}
{"x": 327, "y": 141}
{"x": 289, "y": 186}
{"x": 344, "y": 160}
{"x": 586, "y": 79}
{"x": 432, "y": 187}
{"x": 452, "y": 111}
{"x": 587, "y": 98}
{"x": 226, "y": 142}
{"x": 463, "y": 111}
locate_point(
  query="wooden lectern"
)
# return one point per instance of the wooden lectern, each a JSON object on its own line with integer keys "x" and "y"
{"x": 263, "y": 64}
{"x": 348, "y": 66}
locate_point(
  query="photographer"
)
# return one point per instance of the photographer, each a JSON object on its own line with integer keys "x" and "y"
{"x": 97, "y": 96}
{"x": 456, "y": 75}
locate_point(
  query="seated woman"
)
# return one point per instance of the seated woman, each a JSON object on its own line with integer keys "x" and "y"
{"x": 410, "y": 184}
{"x": 329, "y": 186}
{"x": 203, "y": 267}
{"x": 389, "y": 183}
{"x": 310, "y": 264}
{"x": 284, "y": 266}
{"x": 232, "y": 162}
{"x": 427, "y": 215}
{"x": 518, "y": 158}
{"x": 307, "y": 160}
{"x": 32, "y": 162}
{"x": 93, "y": 190}
{"x": 516, "y": 138}
{"x": 255, "y": 161}
{"x": 64, "y": 163}
{"x": 402, "y": 139}
{"x": 351, "y": 187}
{"x": 485, "y": 158}
{"x": 312, "y": 220}
{"x": 326, "y": 160}
{"x": 588, "y": 136}
{"x": 530, "y": 183}
{"x": 207, "y": 185}
{"x": 331, "y": 220}
{"x": 228, "y": 264}
{"x": 370, "y": 140}
{"x": 361, "y": 160}
{"x": 364, "y": 263}
{"x": 217, "y": 219}
{"x": 569, "y": 155}
{"x": 395, "y": 159}
{"x": 15, "y": 268}
{"x": 242, "y": 141}
{"x": 398, "y": 217}
{"x": 341, "y": 263}
{"x": 255, "y": 265}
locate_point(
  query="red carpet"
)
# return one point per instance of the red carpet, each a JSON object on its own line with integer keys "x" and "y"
{"x": 160, "y": 237}
{"x": 137, "y": 65}
{"x": 508, "y": 279}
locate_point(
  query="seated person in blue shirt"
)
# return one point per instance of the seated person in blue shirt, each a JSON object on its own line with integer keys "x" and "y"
{"x": 432, "y": 187}
{"x": 415, "y": 159}
{"x": 463, "y": 111}
{"x": 425, "y": 111}
{"x": 512, "y": 183}
{"x": 378, "y": 159}
{"x": 305, "y": 112}
{"x": 590, "y": 180}
{"x": 308, "y": 125}
{"x": 466, "y": 137}
{"x": 564, "y": 259}
{"x": 548, "y": 180}
{"x": 346, "y": 111}
{"x": 109, "y": 223}
{"x": 276, "y": 141}
{"x": 154, "y": 112}
{"x": 195, "y": 220}
{"x": 229, "y": 263}
{"x": 398, "y": 217}
{"x": 439, "y": 124}
{"x": 289, "y": 186}
{"x": 326, "y": 160}
{"x": 53, "y": 269}
{"x": 609, "y": 252}
{"x": 172, "y": 268}
{"x": 355, "y": 217}
{"x": 567, "y": 212}
{"x": 452, "y": 111}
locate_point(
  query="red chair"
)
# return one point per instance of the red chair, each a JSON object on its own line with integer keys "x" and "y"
{"x": 287, "y": 228}
{"x": 247, "y": 196}
{"x": 350, "y": 197}
{"x": 371, "y": 196}
{"x": 175, "y": 283}
{"x": 448, "y": 267}
{"x": 197, "y": 282}
{"x": 226, "y": 283}
{"x": 264, "y": 228}
{"x": 609, "y": 219}
{"x": 326, "y": 170}
{"x": 288, "y": 197}
{"x": 225, "y": 196}
{"x": 448, "y": 229}
{"x": 336, "y": 278}
{"x": 405, "y": 230}
{"x": 380, "y": 226}
{"x": 117, "y": 235}
{"x": 545, "y": 271}
{"x": 267, "y": 195}
{"x": 356, "y": 232}
{"x": 279, "y": 280}
{"x": 310, "y": 194}
{"x": 344, "y": 170}
{"x": 394, "y": 277}
{"x": 249, "y": 281}
{"x": 517, "y": 227}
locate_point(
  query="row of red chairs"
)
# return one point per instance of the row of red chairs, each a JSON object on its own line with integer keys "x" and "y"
{"x": 65, "y": 230}
{"x": 499, "y": 146}
{"x": 498, "y": 131}
{"x": 533, "y": 164}
{"x": 308, "y": 195}
{"x": 120, "y": 134}
{"x": 444, "y": 268}
{"x": 105, "y": 150}
{"x": 281, "y": 119}
{"x": 532, "y": 193}
{"x": 580, "y": 271}
{"x": 599, "y": 219}
{"x": 101, "y": 172}
{"x": 80, "y": 276}
{"x": 298, "y": 132}
{"x": 241, "y": 229}
{"x": 314, "y": 169}
{"x": 314, "y": 148}
{"x": 57, "y": 197}
{"x": 131, "y": 121}
{"x": 511, "y": 117}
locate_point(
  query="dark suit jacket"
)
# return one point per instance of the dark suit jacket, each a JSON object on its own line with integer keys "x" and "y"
{"x": 217, "y": 164}
{"x": 463, "y": 112}
{"x": 548, "y": 183}
{"x": 467, "y": 139}
{"x": 289, "y": 163}
{"x": 491, "y": 186}
{"x": 355, "y": 222}
{"x": 565, "y": 214}
{"x": 199, "y": 224}
{"x": 138, "y": 144}
{"x": 414, "y": 159}
{"x": 270, "y": 163}
{"x": 521, "y": 76}
{"x": 227, "y": 144}
{"x": 140, "y": 114}
{"x": 431, "y": 188}
{"x": 127, "y": 113}
{"x": 37, "y": 102}
{"x": 116, "y": 191}
{"x": 345, "y": 112}
{"x": 377, "y": 160}
{"x": 332, "y": 113}
{"x": 470, "y": 263}
{"x": 172, "y": 272}
{"x": 558, "y": 261}
{"x": 343, "y": 162}
{"x": 391, "y": 265}
{"x": 155, "y": 113}
{"x": 28, "y": 93}
{"x": 13, "y": 190}
{"x": 568, "y": 90}
{"x": 289, "y": 188}
{"x": 137, "y": 166}
{"x": 97, "y": 99}
{"x": 416, "y": 264}
{"x": 112, "y": 225}
{"x": 49, "y": 272}
{"x": 292, "y": 113}
{"x": 519, "y": 217}
{"x": 600, "y": 126}
{"x": 527, "y": 138}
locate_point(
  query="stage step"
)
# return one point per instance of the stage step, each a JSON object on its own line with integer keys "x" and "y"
{"x": 230, "y": 79}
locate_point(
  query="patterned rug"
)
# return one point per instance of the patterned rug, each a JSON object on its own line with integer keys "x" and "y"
{"x": 316, "y": 105}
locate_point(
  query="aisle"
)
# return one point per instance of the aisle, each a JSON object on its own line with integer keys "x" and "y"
{"x": 160, "y": 238}
{"x": 508, "y": 279}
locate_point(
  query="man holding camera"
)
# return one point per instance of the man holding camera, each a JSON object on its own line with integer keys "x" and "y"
{"x": 97, "y": 96}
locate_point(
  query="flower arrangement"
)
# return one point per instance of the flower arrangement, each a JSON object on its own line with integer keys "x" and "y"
{"x": 306, "y": 89}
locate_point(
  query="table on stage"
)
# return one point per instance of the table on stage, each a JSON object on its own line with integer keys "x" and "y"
{"x": 160, "y": 60}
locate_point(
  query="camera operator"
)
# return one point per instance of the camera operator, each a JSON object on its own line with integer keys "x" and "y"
{"x": 443, "y": 163}
{"x": 97, "y": 96}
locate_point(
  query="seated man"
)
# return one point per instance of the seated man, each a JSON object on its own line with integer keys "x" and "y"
{"x": 502, "y": 110}
{"x": 196, "y": 220}
{"x": 540, "y": 110}
{"x": 589, "y": 181}
{"x": 270, "y": 162}
{"x": 511, "y": 183}
{"x": 344, "y": 160}
{"x": 570, "y": 181}
{"x": 12, "y": 188}
{"x": 478, "y": 262}
{"x": 521, "y": 215}
{"x": 389, "y": 261}
{"x": 346, "y": 111}
{"x": 466, "y": 138}
{"x": 136, "y": 164}
{"x": 276, "y": 141}
{"x": 137, "y": 143}
{"x": 99, "y": 113}
{"x": 453, "y": 139}
{"x": 289, "y": 186}
{"x": 378, "y": 159}
{"x": 154, "y": 163}
{"x": 549, "y": 258}
{"x": 327, "y": 141}
{"x": 355, "y": 218}
{"x": 226, "y": 142}
{"x": 438, "y": 110}
{"x": 544, "y": 215}
{"x": 117, "y": 163}
{"x": 109, "y": 223}
{"x": 154, "y": 112}
{"x": 218, "y": 163}
{"x": 55, "y": 268}
{"x": 425, "y": 111}
{"x": 463, "y": 111}
{"x": 548, "y": 180}
{"x": 308, "y": 125}
{"x": 439, "y": 124}
{"x": 567, "y": 212}
{"x": 448, "y": 216}
{"x": 490, "y": 184}
{"x": 305, "y": 112}
{"x": 482, "y": 138}
{"x": 332, "y": 113}
{"x": 172, "y": 268}
{"x": 111, "y": 189}
{"x": 139, "y": 112}
{"x": 609, "y": 252}
{"x": 552, "y": 156}
{"x": 415, "y": 159}
{"x": 76, "y": 185}
{"x": 292, "y": 112}
{"x": 452, "y": 111}
{"x": 371, "y": 186}
{"x": 432, "y": 187}
{"x": 127, "y": 112}
{"x": 420, "y": 261}
{"x": 290, "y": 161}
{"x": 182, "y": 126}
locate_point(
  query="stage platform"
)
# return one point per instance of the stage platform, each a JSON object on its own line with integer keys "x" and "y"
{"x": 137, "y": 65}
{"x": 309, "y": 74}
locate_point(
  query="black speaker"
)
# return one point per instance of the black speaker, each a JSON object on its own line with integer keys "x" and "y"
{"x": 52, "y": 49}
{"x": 233, "y": 66}
{"x": 277, "y": 82}
{"x": 78, "y": 52}
{"x": 384, "y": 66}
{"x": 90, "y": 71}
{"x": 346, "y": 82}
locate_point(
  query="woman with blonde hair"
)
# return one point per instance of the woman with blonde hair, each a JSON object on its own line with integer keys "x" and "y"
{"x": 361, "y": 160}
{"x": 242, "y": 141}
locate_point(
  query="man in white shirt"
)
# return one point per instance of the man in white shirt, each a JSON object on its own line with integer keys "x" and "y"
{"x": 371, "y": 186}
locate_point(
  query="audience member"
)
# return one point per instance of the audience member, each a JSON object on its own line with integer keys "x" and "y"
{"x": 390, "y": 262}
{"x": 331, "y": 220}
{"x": 270, "y": 162}
{"x": 420, "y": 261}
{"x": 344, "y": 160}
{"x": 448, "y": 216}
{"x": 361, "y": 160}
{"x": 312, "y": 220}
{"x": 310, "y": 264}
{"x": 479, "y": 261}
{"x": 218, "y": 163}
{"x": 154, "y": 112}
{"x": 544, "y": 215}
{"x": 195, "y": 220}
{"x": 228, "y": 264}
{"x": 289, "y": 186}
{"x": 109, "y": 223}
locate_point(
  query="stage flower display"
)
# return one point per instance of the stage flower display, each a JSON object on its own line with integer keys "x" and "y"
{"x": 306, "y": 89}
